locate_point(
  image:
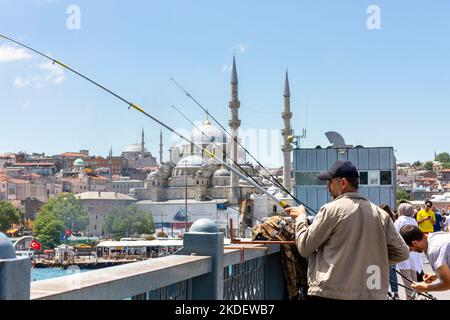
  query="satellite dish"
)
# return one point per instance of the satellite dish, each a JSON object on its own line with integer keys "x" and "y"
{"x": 336, "y": 140}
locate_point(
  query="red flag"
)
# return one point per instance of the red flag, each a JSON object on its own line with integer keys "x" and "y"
{"x": 68, "y": 232}
{"x": 35, "y": 245}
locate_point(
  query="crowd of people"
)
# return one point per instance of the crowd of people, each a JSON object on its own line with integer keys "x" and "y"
{"x": 355, "y": 248}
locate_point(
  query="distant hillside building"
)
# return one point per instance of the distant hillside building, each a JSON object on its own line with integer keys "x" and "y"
{"x": 138, "y": 156}
{"x": 98, "y": 204}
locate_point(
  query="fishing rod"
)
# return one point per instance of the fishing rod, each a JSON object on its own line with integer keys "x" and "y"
{"x": 229, "y": 134}
{"x": 281, "y": 203}
{"x": 270, "y": 177}
{"x": 235, "y": 162}
{"x": 426, "y": 294}
{"x": 211, "y": 140}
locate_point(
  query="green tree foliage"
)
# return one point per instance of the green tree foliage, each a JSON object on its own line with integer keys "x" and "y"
{"x": 402, "y": 195}
{"x": 57, "y": 215}
{"x": 50, "y": 233}
{"x": 443, "y": 157}
{"x": 446, "y": 165}
{"x": 127, "y": 222}
{"x": 8, "y": 215}
{"x": 428, "y": 165}
{"x": 416, "y": 164}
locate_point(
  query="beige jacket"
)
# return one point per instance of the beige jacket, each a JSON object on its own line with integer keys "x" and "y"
{"x": 349, "y": 246}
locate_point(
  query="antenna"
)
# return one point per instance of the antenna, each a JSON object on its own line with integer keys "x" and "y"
{"x": 295, "y": 139}
{"x": 306, "y": 119}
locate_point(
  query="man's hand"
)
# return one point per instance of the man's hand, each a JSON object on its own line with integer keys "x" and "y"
{"x": 429, "y": 278}
{"x": 419, "y": 286}
{"x": 294, "y": 212}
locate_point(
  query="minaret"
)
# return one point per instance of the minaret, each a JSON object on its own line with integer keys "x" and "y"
{"x": 286, "y": 148}
{"x": 110, "y": 152}
{"x": 234, "y": 195}
{"x": 160, "y": 147}
{"x": 142, "y": 144}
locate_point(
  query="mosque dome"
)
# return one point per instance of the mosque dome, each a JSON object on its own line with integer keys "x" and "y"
{"x": 273, "y": 190}
{"x": 78, "y": 162}
{"x": 207, "y": 133}
{"x": 154, "y": 174}
{"x": 221, "y": 173}
{"x": 135, "y": 147}
{"x": 190, "y": 161}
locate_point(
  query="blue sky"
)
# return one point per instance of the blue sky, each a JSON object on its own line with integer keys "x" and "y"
{"x": 386, "y": 87}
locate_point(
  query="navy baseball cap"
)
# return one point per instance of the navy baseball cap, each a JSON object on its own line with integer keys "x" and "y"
{"x": 341, "y": 169}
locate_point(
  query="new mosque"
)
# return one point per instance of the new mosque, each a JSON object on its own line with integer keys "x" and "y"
{"x": 194, "y": 182}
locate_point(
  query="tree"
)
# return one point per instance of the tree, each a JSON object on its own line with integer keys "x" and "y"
{"x": 402, "y": 195}
{"x": 51, "y": 233}
{"x": 57, "y": 215}
{"x": 8, "y": 215}
{"x": 126, "y": 222}
{"x": 442, "y": 157}
{"x": 416, "y": 164}
{"x": 428, "y": 165}
{"x": 446, "y": 165}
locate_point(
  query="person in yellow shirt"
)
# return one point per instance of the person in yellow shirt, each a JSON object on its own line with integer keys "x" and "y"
{"x": 426, "y": 218}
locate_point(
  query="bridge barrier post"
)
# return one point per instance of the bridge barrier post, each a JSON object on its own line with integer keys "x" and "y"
{"x": 204, "y": 239}
{"x": 15, "y": 272}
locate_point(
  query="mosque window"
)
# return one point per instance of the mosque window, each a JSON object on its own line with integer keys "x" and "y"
{"x": 274, "y": 209}
{"x": 197, "y": 182}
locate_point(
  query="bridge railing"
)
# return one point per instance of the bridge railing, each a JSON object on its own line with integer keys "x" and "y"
{"x": 203, "y": 269}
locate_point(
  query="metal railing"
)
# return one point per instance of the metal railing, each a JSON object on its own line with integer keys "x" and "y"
{"x": 203, "y": 269}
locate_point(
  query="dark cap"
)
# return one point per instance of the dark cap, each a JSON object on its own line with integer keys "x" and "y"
{"x": 341, "y": 169}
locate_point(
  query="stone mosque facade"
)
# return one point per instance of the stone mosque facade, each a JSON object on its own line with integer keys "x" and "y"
{"x": 191, "y": 170}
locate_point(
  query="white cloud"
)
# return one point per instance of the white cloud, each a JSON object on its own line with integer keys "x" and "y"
{"x": 55, "y": 73}
{"x": 8, "y": 53}
{"x": 20, "y": 82}
{"x": 227, "y": 67}
{"x": 50, "y": 74}
{"x": 241, "y": 47}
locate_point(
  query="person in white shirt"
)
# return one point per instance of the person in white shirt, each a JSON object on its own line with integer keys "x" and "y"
{"x": 408, "y": 268}
{"x": 436, "y": 246}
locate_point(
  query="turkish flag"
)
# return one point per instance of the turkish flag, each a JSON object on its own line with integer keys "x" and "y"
{"x": 35, "y": 245}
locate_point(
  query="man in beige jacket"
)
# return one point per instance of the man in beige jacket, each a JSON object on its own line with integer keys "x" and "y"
{"x": 350, "y": 243}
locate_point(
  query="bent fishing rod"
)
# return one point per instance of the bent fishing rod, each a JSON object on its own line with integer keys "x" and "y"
{"x": 425, "y": 294}
{"x": 234, "y": 161}
{"x": 270, "y": 176}
{"x": 281, "y": 203}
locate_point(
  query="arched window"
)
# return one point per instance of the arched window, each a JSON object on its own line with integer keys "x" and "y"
{"x": 274, "y": 209}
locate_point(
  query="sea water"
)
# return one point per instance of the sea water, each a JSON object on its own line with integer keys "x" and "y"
{"x": 48, "y": 273}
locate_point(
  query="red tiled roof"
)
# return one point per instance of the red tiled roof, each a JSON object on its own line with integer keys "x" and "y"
{"x": 19, "y": 181}
{"x": 98, "y": 178}
{"x": 73, "y": 154}
{"x": 34, "y": 164}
